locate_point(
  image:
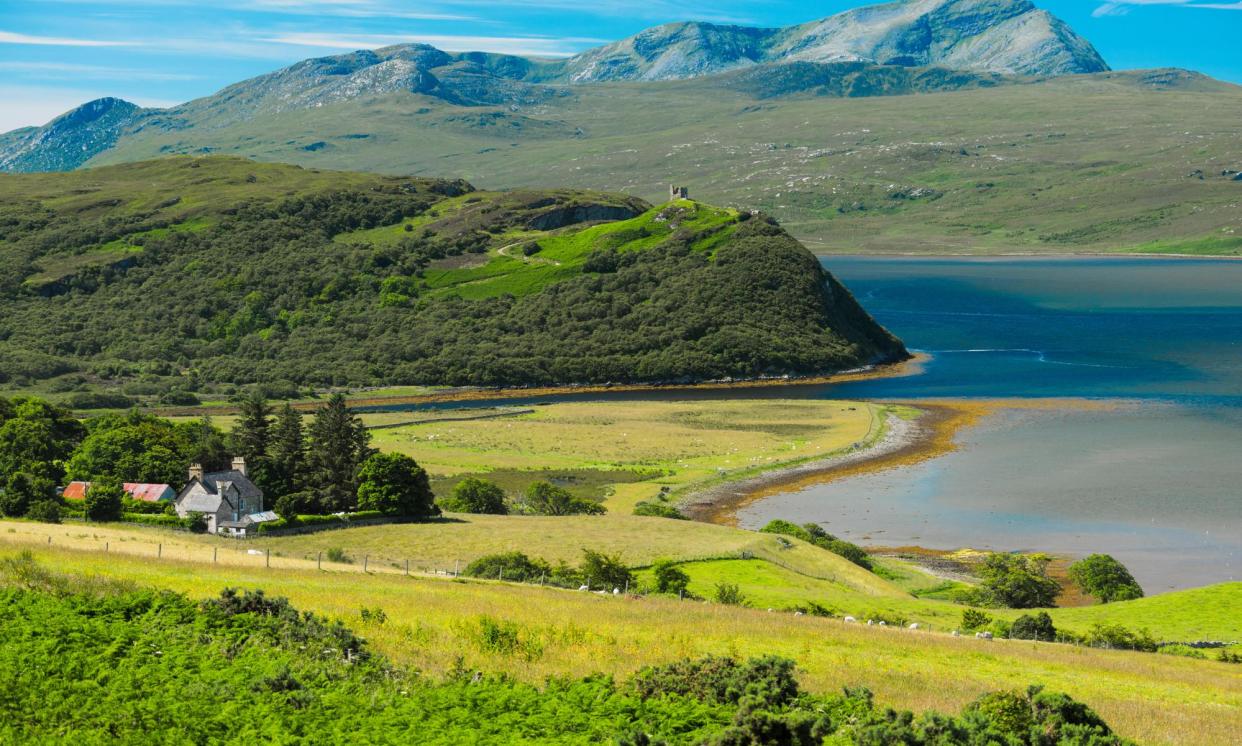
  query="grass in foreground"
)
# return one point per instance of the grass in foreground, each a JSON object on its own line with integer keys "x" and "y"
{"x": 431, "y": 623}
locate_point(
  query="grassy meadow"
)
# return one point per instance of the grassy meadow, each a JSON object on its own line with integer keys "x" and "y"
{"x": 671, "y": 444}
{"x": 432, "y": 622}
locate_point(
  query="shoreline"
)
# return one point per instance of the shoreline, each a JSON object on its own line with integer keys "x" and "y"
{"x": 911, "y": 366}
{"x": 903, "y": 443}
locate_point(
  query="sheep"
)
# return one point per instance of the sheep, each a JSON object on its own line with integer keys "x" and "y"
{"x": 956, "y": 633}
{"x": 616, "y": 591}
{"x": 797, "y": 613}
{"x": 584, "y": 587}
{"x": 984, "y": 635}
{"x": 883, "y": 623}
{"x": 914, "y": 625}
{"x": 850, "y": 619}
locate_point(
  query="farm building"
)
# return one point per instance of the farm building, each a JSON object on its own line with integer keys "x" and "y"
{"x": 228, "y": 499}
{"x": 151, "y": 493}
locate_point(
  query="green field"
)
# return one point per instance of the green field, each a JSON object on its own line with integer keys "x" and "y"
{"x": 1086, "y": 163}
{"x": 1155, "y": 699}
{"x": 676, "y": 445}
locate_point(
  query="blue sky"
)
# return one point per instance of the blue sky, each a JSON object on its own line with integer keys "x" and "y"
{"x": 56, "y": 54}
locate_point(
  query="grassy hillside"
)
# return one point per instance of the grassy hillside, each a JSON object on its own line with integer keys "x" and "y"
{"x": 432, "y": 622}
{"x": 190, "y": 272}
{"x": 1108, "y": 162}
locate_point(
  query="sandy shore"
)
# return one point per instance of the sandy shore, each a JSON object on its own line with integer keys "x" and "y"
{"x": 904, "y": 442}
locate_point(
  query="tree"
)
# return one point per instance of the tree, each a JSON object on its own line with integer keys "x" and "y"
{"x": 1018, "y": 581}
{"x": 252, "y": 439}
{"x": 1033, "y": 627}
{"x": 395, "y": 483}
{"x": 22, "y": 490}
{"x": 1105, "y": 578}
{"x": 104, "y": 500}
{"x": 339, "y": 444}
{"x": 140, "y": 448}
{"x": 287, "y": 450}
{"x": 605, "y": 569}
{"x": 474, "y": 495}
{"x": 544, "y": 498}
{"x": 669, "y": 578}
{"x": 36, "y": 437}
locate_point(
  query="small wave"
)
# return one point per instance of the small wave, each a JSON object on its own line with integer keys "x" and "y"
{"x": 1040, "y": 355}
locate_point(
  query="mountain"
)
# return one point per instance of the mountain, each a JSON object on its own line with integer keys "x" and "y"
{"x": 1000, "y": 36}
{"x": 69, "y": 140}
{"x": 185, "y": 272}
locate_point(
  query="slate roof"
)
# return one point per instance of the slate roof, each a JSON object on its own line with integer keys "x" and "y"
{"x": 220, "y": 487}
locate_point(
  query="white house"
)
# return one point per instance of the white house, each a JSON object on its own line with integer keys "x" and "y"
{"x": 228, "y": 499}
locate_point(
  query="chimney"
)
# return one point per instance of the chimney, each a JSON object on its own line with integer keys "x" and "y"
{"x": 239, "y": 464}
{"x": 196, "y": 472}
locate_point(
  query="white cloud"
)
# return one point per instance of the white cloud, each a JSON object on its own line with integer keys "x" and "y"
{"x": 70, "y": 71}
{"x": 519, "y": 45}
{"x": 1122, "y": 7}
{"x": 9, "y": 37}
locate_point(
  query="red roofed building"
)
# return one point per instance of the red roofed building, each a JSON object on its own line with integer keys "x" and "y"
{"x": 151, "y": 493}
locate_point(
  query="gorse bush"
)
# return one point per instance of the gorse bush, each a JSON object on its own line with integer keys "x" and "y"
{"x": 79, "y": 652}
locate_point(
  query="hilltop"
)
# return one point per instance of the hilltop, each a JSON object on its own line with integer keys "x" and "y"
{"x": 224, "y": 270}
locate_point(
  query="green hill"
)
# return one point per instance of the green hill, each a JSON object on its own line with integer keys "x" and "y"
{"x": 196, "y": 271}
{"x": 1104, "y": 162}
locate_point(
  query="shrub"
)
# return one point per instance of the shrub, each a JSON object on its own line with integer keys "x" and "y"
{"x": 669, "y": 578}
{"x": 169, "y": 521}
{"x": 104, "y": 500}
{"x": 1117, "y": 637}
{"x": 768, "y": 681}
{"x": 473, "y": 495}
{"x": 196, "y": 522}
{"x": 44, "y": 511}
{"x": 605, "y": 569}
{"x": 1105, "y": 578}
{"x": 338, "y": 555}
{"x": 99, "y": 400}
{"x": 1018, "y": 581}
{"x": 973, "y": 619}
{"x": 658, "y": 510}
{"x": 728, "y": 594}
{"x": 513, "y": 566}
{"x": 544, "y": 498}
{"x": 813, "y": 533}
{"x": 1224, "y": 656}
{"x": 22, "y": 491}
{"x": 1033, "y": 627}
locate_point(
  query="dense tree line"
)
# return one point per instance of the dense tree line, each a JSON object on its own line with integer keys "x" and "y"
{"x": 265, "y": 294}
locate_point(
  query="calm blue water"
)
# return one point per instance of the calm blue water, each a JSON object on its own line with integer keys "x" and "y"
{"x": 1092, "y": 327}
{"x": 1156, "y": 481}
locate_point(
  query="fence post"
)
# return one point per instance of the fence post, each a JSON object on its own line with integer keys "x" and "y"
{"x": 319, "y": 561}
{"x": 267, "y": 558}
{"x": 159, "y": 550}
{"x": 49, "y": 540}
{"x": 407, "y": 567}
{"x": 541, "y": 581}
{"x": 365, "y": 559}
{"x": 681, "y": 595}
{"x": 456, "y": 568}
{"x": 501, "y": 575}
{"x": 106, "y": 545}
{"x": 214, "y": 552}
{"x": 627, "y": 587}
